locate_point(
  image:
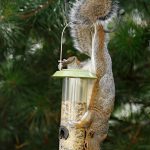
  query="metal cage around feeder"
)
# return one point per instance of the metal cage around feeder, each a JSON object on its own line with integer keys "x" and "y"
{"x": 75, "y": 101}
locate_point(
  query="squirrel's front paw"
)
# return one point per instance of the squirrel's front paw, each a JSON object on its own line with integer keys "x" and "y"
{"x": 62, "y": 64}
{"x": 73, "y": 124}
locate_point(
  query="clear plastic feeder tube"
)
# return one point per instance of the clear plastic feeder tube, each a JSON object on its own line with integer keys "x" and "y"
{"x": 74, "y": 99}
{"x": 75, "y": 93}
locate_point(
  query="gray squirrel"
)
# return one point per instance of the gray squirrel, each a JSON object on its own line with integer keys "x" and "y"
{"x": 89, "y": 19}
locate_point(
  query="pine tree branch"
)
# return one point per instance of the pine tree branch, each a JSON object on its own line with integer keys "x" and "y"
{"x": 119, "y": 120}
{"x": 140, "y": 101}
{"x": 135, "y": 137}
{"x": 146, "y": 7}
{"x": 20, "y": 146}
{"x": 1, "y": 18}
{"x": 35, "y": 11}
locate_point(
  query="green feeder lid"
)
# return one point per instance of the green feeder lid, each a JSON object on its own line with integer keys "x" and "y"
{"x": 74, "y": 73}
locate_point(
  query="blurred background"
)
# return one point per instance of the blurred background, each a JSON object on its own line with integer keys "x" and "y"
{"x": 30, "y": 99}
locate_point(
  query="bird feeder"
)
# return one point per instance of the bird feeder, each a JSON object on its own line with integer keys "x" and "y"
{"x": 75, "y": 101}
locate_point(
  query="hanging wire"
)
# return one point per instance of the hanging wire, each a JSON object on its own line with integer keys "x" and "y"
{"x": 61, "y": 47}
{"x": 60, "y": 66}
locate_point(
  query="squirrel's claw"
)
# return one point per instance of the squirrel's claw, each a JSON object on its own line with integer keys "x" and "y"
{"x": 62, "y": 63}
{"x": 72, "y": 124}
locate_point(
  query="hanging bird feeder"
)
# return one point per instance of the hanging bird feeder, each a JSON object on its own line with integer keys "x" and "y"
{"x": 75, "y": 100}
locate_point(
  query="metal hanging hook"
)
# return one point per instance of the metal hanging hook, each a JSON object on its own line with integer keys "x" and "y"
{"x": 60, "y": 66}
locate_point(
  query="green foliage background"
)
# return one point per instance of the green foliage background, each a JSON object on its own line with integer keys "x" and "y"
{"x": 30, "y": 99}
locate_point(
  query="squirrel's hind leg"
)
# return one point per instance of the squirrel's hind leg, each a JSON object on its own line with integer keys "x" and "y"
{"x": 85, "y": 121}
{"x": 93, "y": 141}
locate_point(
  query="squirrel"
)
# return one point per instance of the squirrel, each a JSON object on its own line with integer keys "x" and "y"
{"x": 88, "y": 21}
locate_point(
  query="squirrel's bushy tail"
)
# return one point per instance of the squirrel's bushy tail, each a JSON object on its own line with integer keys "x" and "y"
{"x": 81, "y": 30}
{"x": 82, "y": 36}
{"x": 83, "y": 15}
